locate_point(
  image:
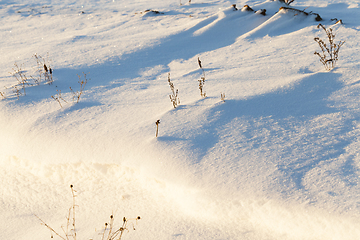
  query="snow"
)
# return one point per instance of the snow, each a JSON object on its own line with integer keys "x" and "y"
{"x": 278, "y": 159}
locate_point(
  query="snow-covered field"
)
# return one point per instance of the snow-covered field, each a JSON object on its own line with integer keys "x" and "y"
{"x": 279, "y": 159}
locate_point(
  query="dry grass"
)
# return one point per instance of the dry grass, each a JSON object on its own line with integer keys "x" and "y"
{"x": 69, "y": 231}
{"x": 329, "y": 52}
{"x": 57, "y": 97}
{"x": 222, "y": 97}
{"x": 201, "y": 80}
{"x": 77, "y": 94}
{"x": 44, "y": 69}
{"x": 174, "y": 96}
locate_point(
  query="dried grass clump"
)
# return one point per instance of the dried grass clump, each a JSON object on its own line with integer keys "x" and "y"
{"x": 174, "y": 96}
{"x": 43, "y": 72}
{"x": 57, "y": 97}
{"x": 77, "y": 94}
{"x": 69, "y": 231}
{"x": 202, "y": 80}
{"x": 22, "y": 80}
{"x": 111, "y": 233}
{"x": 329, "y": 52}
{"x": 43, "y": 69}
{"x": 222, "y": 97}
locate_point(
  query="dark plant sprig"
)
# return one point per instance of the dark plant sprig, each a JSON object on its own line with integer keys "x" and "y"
{"x": 3, "y": 95}
{"x": 70, "y": 231}
{"x": 44, "y": 70}
{"x": 201, "y": 80}
{"x": 222, "y": 97}
{"x": 117, "y": 234}
{"x": 70, "y": 221}
{"x": 157, "y": 127}
{"x": 22, "y": 79}
{"x": 174, "y": 96}
{"x": 329, "y": 53}
{"x": 57, "y": 97}
{"x": 77, "y": 94}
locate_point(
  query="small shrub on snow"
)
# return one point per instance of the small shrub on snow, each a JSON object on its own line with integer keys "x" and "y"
{"x": 174, "y": 96}
{"x": 22, "y": 80}
{"x": 77, "y": 94}
{"x": 44, "y": 70}
{"x": 247, "y": 8}
{"x": 222, "y": 97}
{"x": 329, "y": 53}
{"x": 57, "y": 97}
{"x": 70, "y": 232}
{"x": 201, "y": 80}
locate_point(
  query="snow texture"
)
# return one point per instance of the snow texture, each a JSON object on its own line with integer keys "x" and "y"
{"x": 278, "y": 159}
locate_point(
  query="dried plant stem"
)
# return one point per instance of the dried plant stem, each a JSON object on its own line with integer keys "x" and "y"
{"x": 58, "y": 97}
{"x": 174, "y": 97}
{"x": 43, "y": 69}
{"x": 73, "y": 212}
{"x": 329, "y": 53}
{"x": 157, "y": 127}
{"x": 21, "y": 78}
{"x": 201, "y": 80}
{"x": 70, "y": 230}
{"x": 222, "y": 96}
{"x": 109, "y": 234}
{"x": 50, "y": 228}
{"x": 77, "y": 94}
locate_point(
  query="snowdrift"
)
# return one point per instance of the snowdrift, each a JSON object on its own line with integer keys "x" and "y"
{"x": 278, "y": 159}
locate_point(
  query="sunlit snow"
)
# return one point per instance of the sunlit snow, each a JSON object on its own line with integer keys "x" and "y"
{"x": 277, "y": 159}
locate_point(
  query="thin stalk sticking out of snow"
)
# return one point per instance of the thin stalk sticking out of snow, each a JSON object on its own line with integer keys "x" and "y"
{"x": 157, "y": 127}
{"x": 222, "y": 96}
{"x": 57, "y": 97}
{"x": 174, "y": 96}
{"x": 77, "y": 94}
{"x": 201, "y": 80}
{"x": 70, "y": 230}
{"x": 329, "y": 53}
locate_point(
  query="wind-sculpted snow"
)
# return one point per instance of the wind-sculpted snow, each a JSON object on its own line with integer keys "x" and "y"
{"x": 277, "y": 159}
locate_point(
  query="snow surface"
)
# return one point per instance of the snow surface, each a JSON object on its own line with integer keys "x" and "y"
{"x": 279, "y": 159}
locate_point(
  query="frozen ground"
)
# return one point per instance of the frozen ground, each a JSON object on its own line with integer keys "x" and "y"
{"x": 279, "y": 159}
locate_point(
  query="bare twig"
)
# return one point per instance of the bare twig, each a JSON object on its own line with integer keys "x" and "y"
{"x": 70, "y": 230}
{"x": 157, "y": 127}
{"x": 44, "y": 70}
{"x": 201, "y": 80}
{"x": 21, "y": 78}
{"x": 329, "y": 53}
{"x": 73, "y": 230}
{"x": 58, "y": 97}
{"x": 51, "y": 229}
{"x": 77, "y": 94}
{"x": 174, "y": 96}
{"x": 222, "y": 96}
{"x": 120, "y": 231}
